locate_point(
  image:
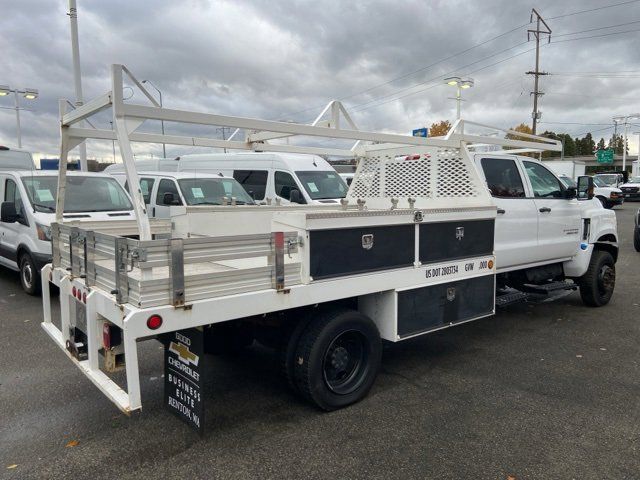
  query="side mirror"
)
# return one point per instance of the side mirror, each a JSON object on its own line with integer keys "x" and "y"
{"x": 8, "y": 213}
{"x": 570, "y": 192}
{"x": 169, "y": 199}
{"x": 295, "y": 197}
{"x": 585, "y": 187}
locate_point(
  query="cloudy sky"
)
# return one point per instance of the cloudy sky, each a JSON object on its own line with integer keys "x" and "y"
{"x": 285, "y": 59}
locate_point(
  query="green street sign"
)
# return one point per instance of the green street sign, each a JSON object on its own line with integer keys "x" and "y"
{"x": 605, "y": 156}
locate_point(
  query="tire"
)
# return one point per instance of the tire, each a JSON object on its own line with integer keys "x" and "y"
{"x": 605, "y": 203}
{"x": 288, "y": 350}
{"x": 29, "y": 275}
{"x": 598, "y": 283}
{"x": 337, "y": 359}
{"x": 636, "y": 239}
{"x": 227, "y": 339}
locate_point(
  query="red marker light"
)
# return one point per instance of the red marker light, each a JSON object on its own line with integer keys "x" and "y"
{"x": 154, "y": 322}
{"x": 106, "y": 336}
{"x": 74, "y": 291}
{"x": 84, "y": 297}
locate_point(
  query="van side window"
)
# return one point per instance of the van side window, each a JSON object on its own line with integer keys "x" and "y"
{"x": 168, "y": 186}
{"x": 544, "y": 183}
{"x": 12, "y": 194}
{"x": 503, "y": 178}
{"x": 284, "y": 183}
{"x": 253, "y": 181}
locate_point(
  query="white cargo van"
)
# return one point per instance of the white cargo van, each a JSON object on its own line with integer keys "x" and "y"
{"x": 11, "y": 159}
{"x": 28, "y": 209}
{"x": 291, "y": 178}
{"x": 163, "y": 190}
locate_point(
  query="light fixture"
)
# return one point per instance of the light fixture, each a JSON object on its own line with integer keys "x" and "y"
{"x": 30, "y": 93}
{"x": 467, "y": 83}
{"x": 452, "y": 81}
{"x": 4, "y": 90}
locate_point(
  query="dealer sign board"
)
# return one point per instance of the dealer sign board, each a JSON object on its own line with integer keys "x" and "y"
{"x": 183, "y": 351}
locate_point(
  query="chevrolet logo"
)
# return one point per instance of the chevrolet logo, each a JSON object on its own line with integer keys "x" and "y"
{"x": 184, "y": 354}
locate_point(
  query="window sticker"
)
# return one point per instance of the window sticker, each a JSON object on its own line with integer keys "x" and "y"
{"x": 44, "y": 195}
{"x": 312, "y": 187}
{"x": 197, "y": 192}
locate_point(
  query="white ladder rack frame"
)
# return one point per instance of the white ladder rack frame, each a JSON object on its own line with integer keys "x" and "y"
{"x": 128, "y": 117}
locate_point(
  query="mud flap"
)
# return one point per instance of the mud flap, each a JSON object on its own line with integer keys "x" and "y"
{"x": 183, "y": 376}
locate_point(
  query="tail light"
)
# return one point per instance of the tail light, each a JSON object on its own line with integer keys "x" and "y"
{"x": 412, "y": 157}
{"x": 154, "y": 322}
{"x": 106, "y": 336}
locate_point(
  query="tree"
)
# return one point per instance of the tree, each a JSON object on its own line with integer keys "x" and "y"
{"x": 617, "y": 143}
{"x": 522, "y": 128}
{"x": 439, "y": 129}
{"x": 569, "y": 144}
{"x": 601, "y": 145}
{"x": 553, "y": 136}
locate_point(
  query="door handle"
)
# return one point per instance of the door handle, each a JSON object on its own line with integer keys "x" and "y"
{"x": 501, "y": 211}
{"x": 544, "y": 210}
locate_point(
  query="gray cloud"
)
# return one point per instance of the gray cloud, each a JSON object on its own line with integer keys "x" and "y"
{"x": 287, "y": 59}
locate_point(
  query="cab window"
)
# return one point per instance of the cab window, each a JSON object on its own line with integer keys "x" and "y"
{"x": 543, "y": 182}
{"x": 168, "y": 186}
{"x": 284, "y": 184}
{"x": 503, "y": 178}
{"x": 12, "y": 194}
{"x": 146, "y": 186}
{"x": 253, "y": 181}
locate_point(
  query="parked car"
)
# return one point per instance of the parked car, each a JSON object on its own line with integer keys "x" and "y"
{"x": 631, "y": 189}
{"x": 28, "y": 209}
{"x": 608, "y": 196}
{"x": 613, "y": 179}
{"x": 163, "y": 190}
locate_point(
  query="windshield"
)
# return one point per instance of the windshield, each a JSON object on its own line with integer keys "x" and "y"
{"x": 323, "y": 184}
{"x": 607, "y": 180}
{"x": 84, "y": 194}
{"x": 599, "y": 182}
{"x": 210, "y": 191}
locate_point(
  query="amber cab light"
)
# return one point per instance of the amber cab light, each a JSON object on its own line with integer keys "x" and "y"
{"x": 154, "y": 322}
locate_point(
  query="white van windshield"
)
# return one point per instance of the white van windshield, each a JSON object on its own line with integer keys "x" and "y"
{"x": 323, "y": 184}
{"x": 83, "y": 194}
{"x": 210, "y": 191}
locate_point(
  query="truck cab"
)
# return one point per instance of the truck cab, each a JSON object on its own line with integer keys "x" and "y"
{"x": 544, "y": 230}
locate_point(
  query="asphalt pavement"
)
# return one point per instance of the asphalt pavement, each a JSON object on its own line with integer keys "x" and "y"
{"x": 547, "y": 391}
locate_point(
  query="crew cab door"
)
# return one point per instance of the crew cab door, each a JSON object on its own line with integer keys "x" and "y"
{"x": 10, "y": 232}
{"x": 559, "y": 218}
{"x": 516, "y": 232}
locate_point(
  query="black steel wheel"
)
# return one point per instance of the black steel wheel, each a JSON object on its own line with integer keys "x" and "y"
{"x": 29, "y": 275}
{"x": 597, "y": 285}
{"x": 337, "y": 359}
{"x": 636, "y": 239}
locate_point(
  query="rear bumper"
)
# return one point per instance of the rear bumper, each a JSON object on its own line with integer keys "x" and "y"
{"x": 632, "y": 196}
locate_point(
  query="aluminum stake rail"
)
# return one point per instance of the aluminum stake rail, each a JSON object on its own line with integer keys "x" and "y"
{"x": 211, "y": 271}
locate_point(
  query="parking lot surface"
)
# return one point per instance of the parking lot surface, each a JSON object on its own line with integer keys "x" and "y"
{"x": 547, "y": 391}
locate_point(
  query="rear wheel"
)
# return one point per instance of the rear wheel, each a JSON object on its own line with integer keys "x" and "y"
{"x": 597, "y": 285}
{"x": 29, "y": 275}
{"x": 636, "y": 239}
{"x": 337, "y": 359}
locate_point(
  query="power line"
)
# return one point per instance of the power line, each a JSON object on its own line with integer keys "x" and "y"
{"x": 596, "y": 36}
{"x": 593, "y": 9}
{"x": 598, "y": 28}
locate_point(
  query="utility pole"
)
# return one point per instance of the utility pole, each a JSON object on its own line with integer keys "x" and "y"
{"x": 536, "y": 73}
{"x": 77, "y": 79}
{"x": 224, "y": 136}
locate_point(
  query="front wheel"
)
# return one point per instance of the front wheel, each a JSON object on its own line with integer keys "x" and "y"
{"x": 605, "y": 203}
{"x": 636, "y": 239}
{"x": 337, "y": 359}
{"x": 598, "y": 283}
{"x": 29, "y": 275}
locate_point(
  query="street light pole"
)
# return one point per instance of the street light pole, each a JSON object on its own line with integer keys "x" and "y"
{"x": 164, "y": 147}
{"x": 459, "y": 83}
{"x": 29, "y": 94}
{"x": 77, "y": 77}
{"x": 19, "y": 133}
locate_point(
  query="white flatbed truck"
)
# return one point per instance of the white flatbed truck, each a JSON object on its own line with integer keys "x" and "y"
{"x": 418, "y": 245}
